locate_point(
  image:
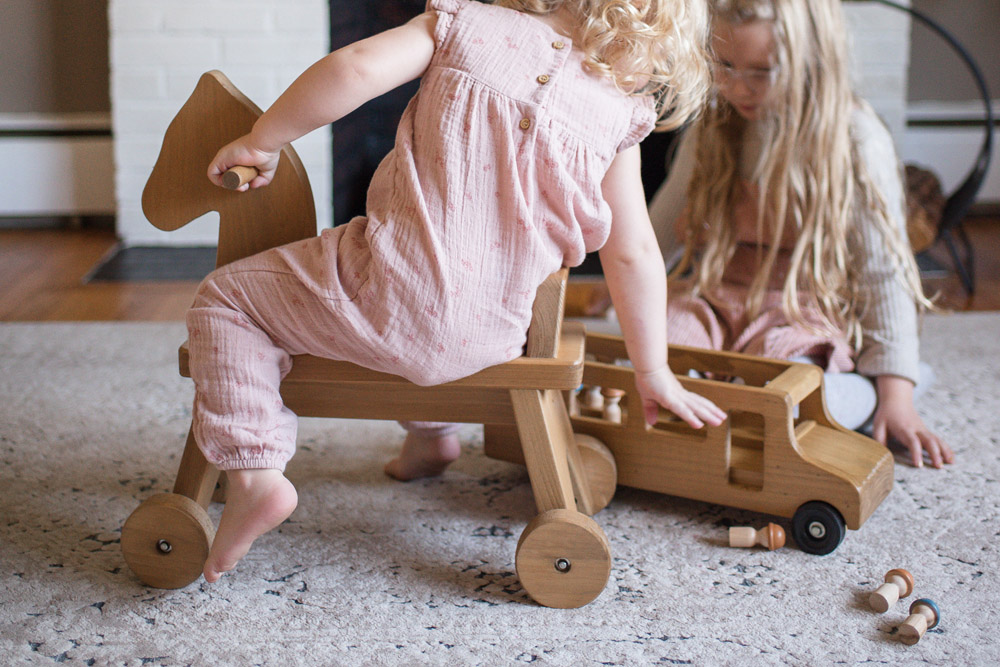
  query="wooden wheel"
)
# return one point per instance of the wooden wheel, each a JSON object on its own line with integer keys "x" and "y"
{"x": 563, "y": 559}
{"x": 600, "y": 468}
{"x": 165, "y": 540}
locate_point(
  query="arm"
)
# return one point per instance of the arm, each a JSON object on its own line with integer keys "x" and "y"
{"x": 637, "y": 282}
{"x": 666, "y": 206}
{"x": 330, "y": 89}
{"x": 889, "y": 349}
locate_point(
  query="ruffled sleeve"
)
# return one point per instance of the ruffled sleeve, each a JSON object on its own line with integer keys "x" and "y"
{"x": 446, "y": 10}
{"x": 448, "y": 6}
{"x": 643, "y": 122}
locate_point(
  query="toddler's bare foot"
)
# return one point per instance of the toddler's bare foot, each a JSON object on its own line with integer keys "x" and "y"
{"x": 256, "y": 502}
{"x": 424, "y": 456}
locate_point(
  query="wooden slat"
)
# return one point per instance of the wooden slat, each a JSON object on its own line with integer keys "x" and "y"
{"x": 798, "y": 381}
{"x": 196, "y": 477}
{"x": 545, "y": 434}
{"x": 547, "y": 317}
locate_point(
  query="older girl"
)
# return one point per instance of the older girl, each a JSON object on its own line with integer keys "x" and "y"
{"x": 787, "y": 199}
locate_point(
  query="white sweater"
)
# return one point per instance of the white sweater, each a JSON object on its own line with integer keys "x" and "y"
{"x": 890, "y": 343}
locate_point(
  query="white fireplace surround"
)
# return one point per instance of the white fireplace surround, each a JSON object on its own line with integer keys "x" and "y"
{"x": 159, "y": 49}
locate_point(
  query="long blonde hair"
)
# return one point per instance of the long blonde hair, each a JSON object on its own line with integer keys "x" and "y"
{"x": 809, "y": 173}
{"x": 648, "y": 47}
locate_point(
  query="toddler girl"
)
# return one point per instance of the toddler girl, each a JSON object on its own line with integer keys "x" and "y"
{"x": 517, "y": 156}
{"x": 787, "y": 197}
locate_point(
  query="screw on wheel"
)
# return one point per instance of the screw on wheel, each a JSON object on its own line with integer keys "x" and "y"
{"x": 563, "y": 559}
{"x": 818, "y": 528}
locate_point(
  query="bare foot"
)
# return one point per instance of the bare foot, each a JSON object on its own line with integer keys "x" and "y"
{"x": 256, "y": 502}
{"x": 424, "y": 456}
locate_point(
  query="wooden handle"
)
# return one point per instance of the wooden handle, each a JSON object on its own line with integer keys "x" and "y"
{"x": 237, "y": 177}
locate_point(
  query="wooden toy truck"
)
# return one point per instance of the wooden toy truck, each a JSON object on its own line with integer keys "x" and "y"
{"x": 779, "y": 452}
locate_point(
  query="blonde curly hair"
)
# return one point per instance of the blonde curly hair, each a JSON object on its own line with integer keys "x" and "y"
{"x": 647, "y": 47}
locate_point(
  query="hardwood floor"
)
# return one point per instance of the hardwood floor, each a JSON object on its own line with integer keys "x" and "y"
{"x": 43, "y": 275}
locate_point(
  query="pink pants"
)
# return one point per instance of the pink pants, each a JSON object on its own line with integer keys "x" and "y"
{"x": 246, "y": 322}
{"x": 720, "y": 322}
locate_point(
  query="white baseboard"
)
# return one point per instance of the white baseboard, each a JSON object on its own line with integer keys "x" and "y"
{"x": 56, "y": 164}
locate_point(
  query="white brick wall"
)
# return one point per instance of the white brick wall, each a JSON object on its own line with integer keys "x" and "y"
{"x": 160, "y": 49}
{"x": 880, "y": 50}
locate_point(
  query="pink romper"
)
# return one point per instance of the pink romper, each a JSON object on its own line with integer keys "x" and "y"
{"x": 494, "y": 183}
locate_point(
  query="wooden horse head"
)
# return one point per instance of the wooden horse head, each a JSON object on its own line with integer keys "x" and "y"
{"x": 178, "y": 190}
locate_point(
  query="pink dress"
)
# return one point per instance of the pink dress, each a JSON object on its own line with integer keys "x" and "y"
{"x": 494, "y": 183}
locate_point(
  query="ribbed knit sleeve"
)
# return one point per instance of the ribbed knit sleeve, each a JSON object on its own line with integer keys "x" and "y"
{"x": 890, "y": 343}
{"x": 670, "y": 199}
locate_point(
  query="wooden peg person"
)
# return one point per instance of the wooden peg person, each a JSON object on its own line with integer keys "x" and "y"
{"x": 592, "y": 398}
{"x": 612, "y": 398}
{"x": 771, "y": 536}
{"x": 924, "y": 615}
{"x": 898, "y": 584}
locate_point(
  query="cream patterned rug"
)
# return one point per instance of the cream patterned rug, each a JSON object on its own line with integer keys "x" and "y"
{"x": 369, "y": 571}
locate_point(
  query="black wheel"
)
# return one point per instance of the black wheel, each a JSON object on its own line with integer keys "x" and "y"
{"x": 818, "y": 528}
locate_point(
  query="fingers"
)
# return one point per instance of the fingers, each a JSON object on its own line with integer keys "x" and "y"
{"x": 946, "y": 454}
{"x": 939, "y": 452}
{"x": 920, "y": 441}
{"x": 695, "y": 410}
{"x": 879, "y": 432}
{"x": 912, "y": 443}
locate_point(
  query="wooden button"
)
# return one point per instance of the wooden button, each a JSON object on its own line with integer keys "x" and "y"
{"x": 525, "y": 123}
{"x": 558, "y": 45}
{"x": 542, "y": 79}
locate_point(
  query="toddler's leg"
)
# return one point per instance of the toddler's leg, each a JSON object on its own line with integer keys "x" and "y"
{"x": 429, "y": 448}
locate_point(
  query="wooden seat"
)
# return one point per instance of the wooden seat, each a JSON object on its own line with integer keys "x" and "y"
{"x": 563, "y": 557}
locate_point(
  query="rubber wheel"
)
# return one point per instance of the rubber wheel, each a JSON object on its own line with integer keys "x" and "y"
{"x": 600, "y": 469}
{"x": 166, "y": 539}
{"x": 818, "y": 528}
{"x": 563, "y": 559}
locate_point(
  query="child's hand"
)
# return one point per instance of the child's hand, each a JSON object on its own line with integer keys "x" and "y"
{"x": 896, "y": 417}
{"x": 661, "y": 387}
{"x": 599, "y": 302}
{"x": 243, "y": 153}
{"x": 899, "y": 420}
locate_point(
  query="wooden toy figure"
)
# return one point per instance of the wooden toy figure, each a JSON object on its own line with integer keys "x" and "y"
{"x": 612, "y": 408}
{"x": 771, "y": 536}
{"x": 898, "y": 584}
{"x": 924, "y": 615}
{"x": 592, "y": 398}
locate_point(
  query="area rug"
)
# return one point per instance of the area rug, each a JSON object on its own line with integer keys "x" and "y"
{"x": 369, "y": 571}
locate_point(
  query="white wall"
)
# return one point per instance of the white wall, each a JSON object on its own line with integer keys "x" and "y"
{"x": 158, "y": 50}
{"x": 880, "y": 50}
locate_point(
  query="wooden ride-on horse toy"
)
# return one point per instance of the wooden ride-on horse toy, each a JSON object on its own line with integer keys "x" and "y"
{"x": 562, "y": 558}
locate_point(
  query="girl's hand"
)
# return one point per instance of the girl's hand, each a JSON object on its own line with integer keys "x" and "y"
{"x": 661, "y": 387}
{"x": 897, "y": 418}
{"x": 599, "y": 302}
{"x": 242, "y": 152}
